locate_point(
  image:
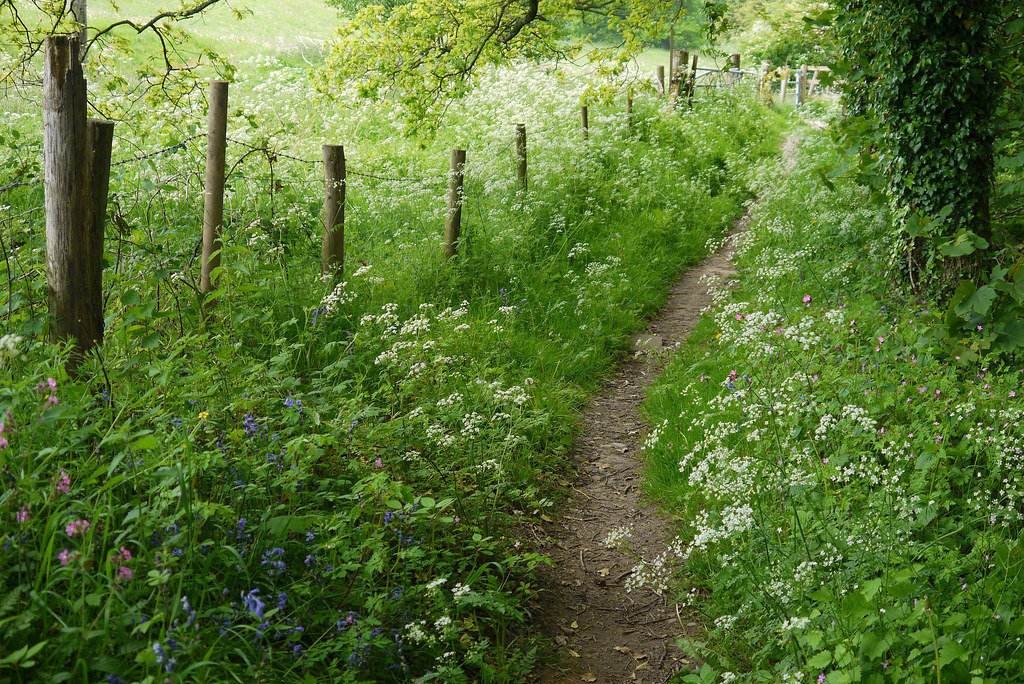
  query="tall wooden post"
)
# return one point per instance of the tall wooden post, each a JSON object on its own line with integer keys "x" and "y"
{"x": 79, "y": 11}
{"x": 784, "y": 87}
{"x": 521, "y": 169}
{"x": 764, "y": 83}
{"x": 213, "y": 210}
{"x": 629, "y": 110}
{"x": 801, "y": 85}
{"x": 692, "y": 85}
{"x": 661, "y": 79}
{"x": 101, "y": 143}
{"x": 677, "y": 73}
{"x": 734, "y": 66}
{"x": 585, "y": 121}
{"x": 68, "y": 195}
{"x": 453, "y": 223}
{"x": 332, "y": 253}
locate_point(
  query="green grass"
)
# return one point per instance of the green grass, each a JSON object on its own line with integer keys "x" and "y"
{"x": 264, "y": 27}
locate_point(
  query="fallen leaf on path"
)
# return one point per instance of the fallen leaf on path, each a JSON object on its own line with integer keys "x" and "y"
{"x": 589, "y": 677}
{"x": 573, "y": 653}
{"x": 624, "y": 649}
{"x": 575, "y": 625}
{"x": 603, "y": 572}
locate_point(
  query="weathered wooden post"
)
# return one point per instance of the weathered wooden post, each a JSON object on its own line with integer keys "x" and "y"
{"x": 213, "y": 209}
{"x": 585, "y": 121}
{"x": 692, "y": 85}
{"x": 70, "y": 266}
{"x": 79, "y": 11}
{"x": 629, "y": 110}
{"x": 101, "y": 144}
{"x": 677, "y": 77}
{"x": 661, "y": 79}
{"x": 521, "y": 169}
{"x": 784, "y": 87}
{"x": 764, "y": 83}
{"x": 332, "y": 253}
{"x": 453, "y": 223}
{"x": 734, "y": 67}
{"x": 801, "y": 85}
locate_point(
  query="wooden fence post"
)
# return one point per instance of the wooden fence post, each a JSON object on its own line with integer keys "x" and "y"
{"x": 784, "y": 87}
{"x": 521, "y": 169}
{"x": 661, "y": 79}
{"x": 213, "y": 209}
{"x": 332, "y": 253}
{"x": 453, "y": 223}
{"x": 764, "y": 83}
{"x": 70, "y": 267}
{"x": 692, "y": 86}
{"x": 734, "y": 66}
{"x": 677, "y": 74}
{"x": 629, "y": 110}
{"x": 585, "y": 121}
{"x": 801, "y": 85}
{"x": 101, "y": 143}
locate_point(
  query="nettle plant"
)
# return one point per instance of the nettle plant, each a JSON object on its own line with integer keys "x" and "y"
{"x": 854, "y": 500}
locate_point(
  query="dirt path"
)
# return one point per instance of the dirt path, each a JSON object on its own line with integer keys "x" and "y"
{"x": 604, "y": 633}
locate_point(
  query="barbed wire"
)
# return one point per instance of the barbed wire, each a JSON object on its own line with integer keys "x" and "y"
{"x": 156, "y": 153}
{"x": 20, "y": 184}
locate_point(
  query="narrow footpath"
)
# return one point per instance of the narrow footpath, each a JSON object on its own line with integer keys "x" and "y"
{"x": 602, "y": 632}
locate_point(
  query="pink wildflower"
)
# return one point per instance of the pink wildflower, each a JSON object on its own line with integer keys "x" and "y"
{"x": 64, "y": 483}
{"x": 125, "y": 573}
{"x": 77, "y": 527}
{"x": 808, "y": 299}
{"x": 65, "y": 557}
{"x": 733, "y": 375}
{"x": 23, "y": 515}
{"x": 126, "y": 555}
{"x": 378, "y": 463}
{"x": 3, "y": 442}
{"x": 739, "y": 317}
{"x": 1013, "y": 393}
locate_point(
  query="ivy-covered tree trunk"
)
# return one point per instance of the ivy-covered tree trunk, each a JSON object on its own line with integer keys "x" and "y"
{"x": 926, "y": 74}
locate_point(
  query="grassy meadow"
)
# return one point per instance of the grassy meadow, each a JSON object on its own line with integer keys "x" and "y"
{"x": 318, "y": 480}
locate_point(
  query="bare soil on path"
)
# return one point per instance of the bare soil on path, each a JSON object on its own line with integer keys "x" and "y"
{"x": 605, "y": 633}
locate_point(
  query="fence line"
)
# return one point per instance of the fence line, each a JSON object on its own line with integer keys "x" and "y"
{"x": 683, "y": 76}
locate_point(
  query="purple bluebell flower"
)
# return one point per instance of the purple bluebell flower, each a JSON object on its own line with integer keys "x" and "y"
{"x": 162, "y": 658}
{"x": 282, "y": 600}
{"x": 189, "y": 611}
{"x": 273, "y": 560}
{"x": 348, "y": 621}
{"x": 253, "y": 603}
{"x": 250, "y": 425}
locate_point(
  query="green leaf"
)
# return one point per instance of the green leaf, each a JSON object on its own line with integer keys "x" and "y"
{"x": 820, "y": 660}
{"x": 146, "y": 443}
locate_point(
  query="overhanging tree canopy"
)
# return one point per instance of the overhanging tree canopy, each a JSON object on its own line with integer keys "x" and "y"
{"x": 424, "y": 52}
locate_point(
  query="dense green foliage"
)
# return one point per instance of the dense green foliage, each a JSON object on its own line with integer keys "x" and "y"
{"x": 425, "y": 53}
{"x": 850, "y": 496}
{"x": 317, "y": 478}
{"x": 936, "y": 104}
